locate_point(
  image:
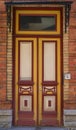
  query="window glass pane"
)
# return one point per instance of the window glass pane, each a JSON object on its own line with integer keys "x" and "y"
{"x": 25, "y": 61}
{"x": 49, "y": 61}
{"x": 37, "y": 23}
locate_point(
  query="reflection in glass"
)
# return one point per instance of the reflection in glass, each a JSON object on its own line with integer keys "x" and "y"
{"x": 37, "y": 23}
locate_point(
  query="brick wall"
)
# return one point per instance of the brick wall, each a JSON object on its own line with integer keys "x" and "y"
{"x": 2, "y": 51}
{"x": 69, "y": 61}
{"x": 4, "y": 104}
{"x": 72, "y": 56}
{"x": 6, "y": 61}
{"x": 70, "y": 103}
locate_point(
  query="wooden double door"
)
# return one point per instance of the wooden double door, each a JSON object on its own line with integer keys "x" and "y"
{"x": 37, "y": 70}
{"x": 37, "y": 81}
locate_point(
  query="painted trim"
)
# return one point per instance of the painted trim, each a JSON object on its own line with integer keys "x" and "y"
{"x": 45, "y": 12}
{"x": 39, "y": 2}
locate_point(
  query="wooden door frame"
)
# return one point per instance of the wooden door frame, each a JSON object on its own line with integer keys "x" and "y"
{"x": 38, "y": 36}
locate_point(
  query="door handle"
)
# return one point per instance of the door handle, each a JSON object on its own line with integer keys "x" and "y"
{"x": 40, "y": 88}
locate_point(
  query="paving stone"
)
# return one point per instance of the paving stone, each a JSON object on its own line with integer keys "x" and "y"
{"x": 22, "y": 128}
{"x": 34, "y": 128}
{"x": 53, "y": 128}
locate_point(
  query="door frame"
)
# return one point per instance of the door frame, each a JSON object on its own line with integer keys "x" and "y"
{"x": 60, "y": 35}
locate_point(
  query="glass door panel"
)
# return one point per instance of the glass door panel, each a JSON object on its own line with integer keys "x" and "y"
{"x": 25, "y": 61}
{"x": 49, "y": 61}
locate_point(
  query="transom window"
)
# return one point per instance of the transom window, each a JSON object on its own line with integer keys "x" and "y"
{"x": 37, "y": 23}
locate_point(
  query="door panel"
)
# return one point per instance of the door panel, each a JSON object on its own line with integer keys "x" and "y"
{"x": 25, "y": 80}
{"x": 49, "y": 81}
{"x": 37, "y": 81}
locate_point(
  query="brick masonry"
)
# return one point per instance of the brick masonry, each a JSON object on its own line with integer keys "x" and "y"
{"x": 69, "y": 64}
{"x": 4, "y": 104}
{"x": 72, "y": 57}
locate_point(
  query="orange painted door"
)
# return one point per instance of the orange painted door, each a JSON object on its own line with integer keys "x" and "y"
{"x": 37, "y": 66}
{"x": 37, "y": 81}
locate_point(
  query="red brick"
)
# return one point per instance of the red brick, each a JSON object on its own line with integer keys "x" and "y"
{"x": 73, "y": 7}
{"x": 72, "y": 33}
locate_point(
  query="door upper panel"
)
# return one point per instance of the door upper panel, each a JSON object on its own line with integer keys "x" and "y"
{"x": 38, "y": 21}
